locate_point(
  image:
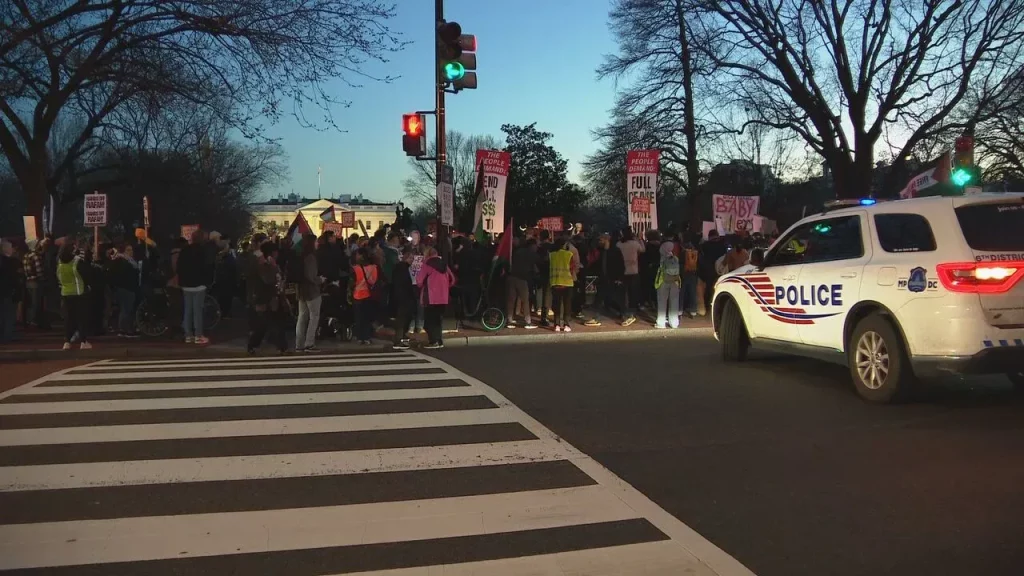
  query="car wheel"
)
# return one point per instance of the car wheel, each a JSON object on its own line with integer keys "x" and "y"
{"x": 733, "y": 334}
{"x": 878, "y": 361}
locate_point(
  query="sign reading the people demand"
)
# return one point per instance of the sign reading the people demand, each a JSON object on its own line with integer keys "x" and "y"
{"x": 95, "y": 210}
{"x": 641, "y": 190}
{"x": 491, "y": 203}
{"x": 735, "y": 213}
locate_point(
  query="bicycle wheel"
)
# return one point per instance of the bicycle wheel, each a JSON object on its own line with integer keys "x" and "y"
{"x": 151, "y": 322}
{"x": 211, "y": 313}
{"x": 492, "y": 319}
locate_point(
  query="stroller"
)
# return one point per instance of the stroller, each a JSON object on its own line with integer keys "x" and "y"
{"x": 336, "y": 316}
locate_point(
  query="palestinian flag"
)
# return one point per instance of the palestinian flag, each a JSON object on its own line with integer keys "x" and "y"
{"x": 504, "y": 251}
{"x": 296, "y": 231}
{"x": 328, "y": 215}
{"x": 478, "y": 217}
{"x": 503, "y": 255}
{"x": 935, "y": 176}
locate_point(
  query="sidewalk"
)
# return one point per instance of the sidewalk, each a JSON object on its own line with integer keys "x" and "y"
{"x": 46, "y": 344}
{"x": 229, "y": 339}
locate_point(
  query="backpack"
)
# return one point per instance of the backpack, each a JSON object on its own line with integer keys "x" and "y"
{"x": 691, "y": 260}
{"x": 670, "y": 265}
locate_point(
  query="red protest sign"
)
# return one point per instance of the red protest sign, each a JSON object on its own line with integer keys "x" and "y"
{"x": 336, "y": 227}
{"x": 640, "y": 205}
{"x": 551, "y": 223}
{"x": 348, "y": 219}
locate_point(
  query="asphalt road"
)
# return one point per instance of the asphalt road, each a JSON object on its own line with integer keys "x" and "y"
{"x": 778, "y": 462}
{"x": 382, "y": 464}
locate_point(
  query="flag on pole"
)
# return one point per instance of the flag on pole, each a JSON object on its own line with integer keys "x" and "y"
{"x": 298, "y": 228}
{"x": 504, "y": 251}
{"x": 328, "y": 215}
{"x": 937, "y": 173}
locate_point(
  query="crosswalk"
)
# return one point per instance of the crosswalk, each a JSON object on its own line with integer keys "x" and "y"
{"x": 391, "y": 464}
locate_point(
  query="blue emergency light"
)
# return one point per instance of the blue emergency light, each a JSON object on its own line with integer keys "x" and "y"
{"x": 867, "y": 201}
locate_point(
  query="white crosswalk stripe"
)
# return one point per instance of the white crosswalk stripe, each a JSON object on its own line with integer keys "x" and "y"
{"x": 383, "y": 464}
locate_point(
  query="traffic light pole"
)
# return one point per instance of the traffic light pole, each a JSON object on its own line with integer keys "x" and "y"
{"x": 442, "y": 144}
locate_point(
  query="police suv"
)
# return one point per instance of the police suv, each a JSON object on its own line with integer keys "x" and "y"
{"x": 894, "y": 290}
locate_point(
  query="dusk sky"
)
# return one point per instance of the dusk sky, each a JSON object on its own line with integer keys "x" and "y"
{"x": 536, "y": 62}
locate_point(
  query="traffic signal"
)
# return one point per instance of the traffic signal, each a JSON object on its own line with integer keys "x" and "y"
{"x": 963, "y": 161}
{"x": 414, "y": 139}
{"x": 456, "y": 56}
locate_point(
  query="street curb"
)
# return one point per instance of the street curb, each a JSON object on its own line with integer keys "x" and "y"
{"x": 652, "y": 334}
{"x": 115, "y": 352}
{"x": 233, "y": 349}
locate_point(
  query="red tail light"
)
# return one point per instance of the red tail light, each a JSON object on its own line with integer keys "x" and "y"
{"x": 981, "y": 277}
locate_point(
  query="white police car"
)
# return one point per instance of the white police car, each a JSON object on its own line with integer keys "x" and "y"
{"x": 894, "y": 290}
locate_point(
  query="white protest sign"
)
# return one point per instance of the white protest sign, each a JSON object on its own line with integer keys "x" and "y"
{"x": 446, "y": 197}
{"x": 706, "y": 228}
{"x": 95, "y": 210}
{"x": 641, "y": 190}
{"x": 490, "y": 206}
{"x": 414, "y": 268}
{"x": 735, "y": 213}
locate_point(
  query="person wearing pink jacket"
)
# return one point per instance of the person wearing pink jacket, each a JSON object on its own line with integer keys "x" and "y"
{"x": 435, "y": 280}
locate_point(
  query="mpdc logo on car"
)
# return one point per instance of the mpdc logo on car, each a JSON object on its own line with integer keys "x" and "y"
{"x": 918, "y": 281}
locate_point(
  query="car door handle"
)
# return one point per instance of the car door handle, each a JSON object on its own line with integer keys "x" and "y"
{"x": 789, "y": 278}
{"x": 848, "y": 275}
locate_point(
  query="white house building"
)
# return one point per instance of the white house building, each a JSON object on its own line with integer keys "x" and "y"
{"x": 280, "y": 212}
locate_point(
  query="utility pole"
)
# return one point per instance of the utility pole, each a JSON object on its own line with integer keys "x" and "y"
{"x": 442, "y": 144}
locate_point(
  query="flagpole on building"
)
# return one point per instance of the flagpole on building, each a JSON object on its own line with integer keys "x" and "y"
{"x": 319, "y": 196}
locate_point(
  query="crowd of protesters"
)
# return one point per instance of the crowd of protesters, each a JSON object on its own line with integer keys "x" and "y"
{"x": 98, "y": 291}
{"x": 660, "y": 277}
{"x": 360, "y": 283}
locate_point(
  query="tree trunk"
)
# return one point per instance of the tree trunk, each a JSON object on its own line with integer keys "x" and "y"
{"x": 852, "y": 178}
{"x": 690, "y": 124}
{"x": 33, "y": 185}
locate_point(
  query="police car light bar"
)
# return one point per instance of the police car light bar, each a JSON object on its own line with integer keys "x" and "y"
{"x": 849, "y": 203}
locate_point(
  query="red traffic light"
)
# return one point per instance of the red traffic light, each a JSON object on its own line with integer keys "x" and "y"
{"x": 964, "y": 144}
{"x": 413, "y": 124}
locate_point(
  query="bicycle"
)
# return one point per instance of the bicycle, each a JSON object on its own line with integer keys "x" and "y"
{"x": 154, "y": 312}
{"x": 491, "y": 318}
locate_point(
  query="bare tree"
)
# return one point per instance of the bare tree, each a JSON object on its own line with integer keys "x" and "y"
{"x": 999, "y": 139}
{"x": 663, "y": 107}
{"x": 421, "y": 187}
{"x": 840, "y": 72}
{"x": 247, "y": 61}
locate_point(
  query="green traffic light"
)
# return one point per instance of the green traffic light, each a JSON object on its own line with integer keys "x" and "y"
{"x": 454, "y": 71}
{"x": 961, "y": 176}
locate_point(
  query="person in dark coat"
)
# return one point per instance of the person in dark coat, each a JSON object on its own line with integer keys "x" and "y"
{"x": 264, "y": 299}
{"x": 611, "y": 272}
{"x": 195, "y": 269}
{"x": 404, "y": 292}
